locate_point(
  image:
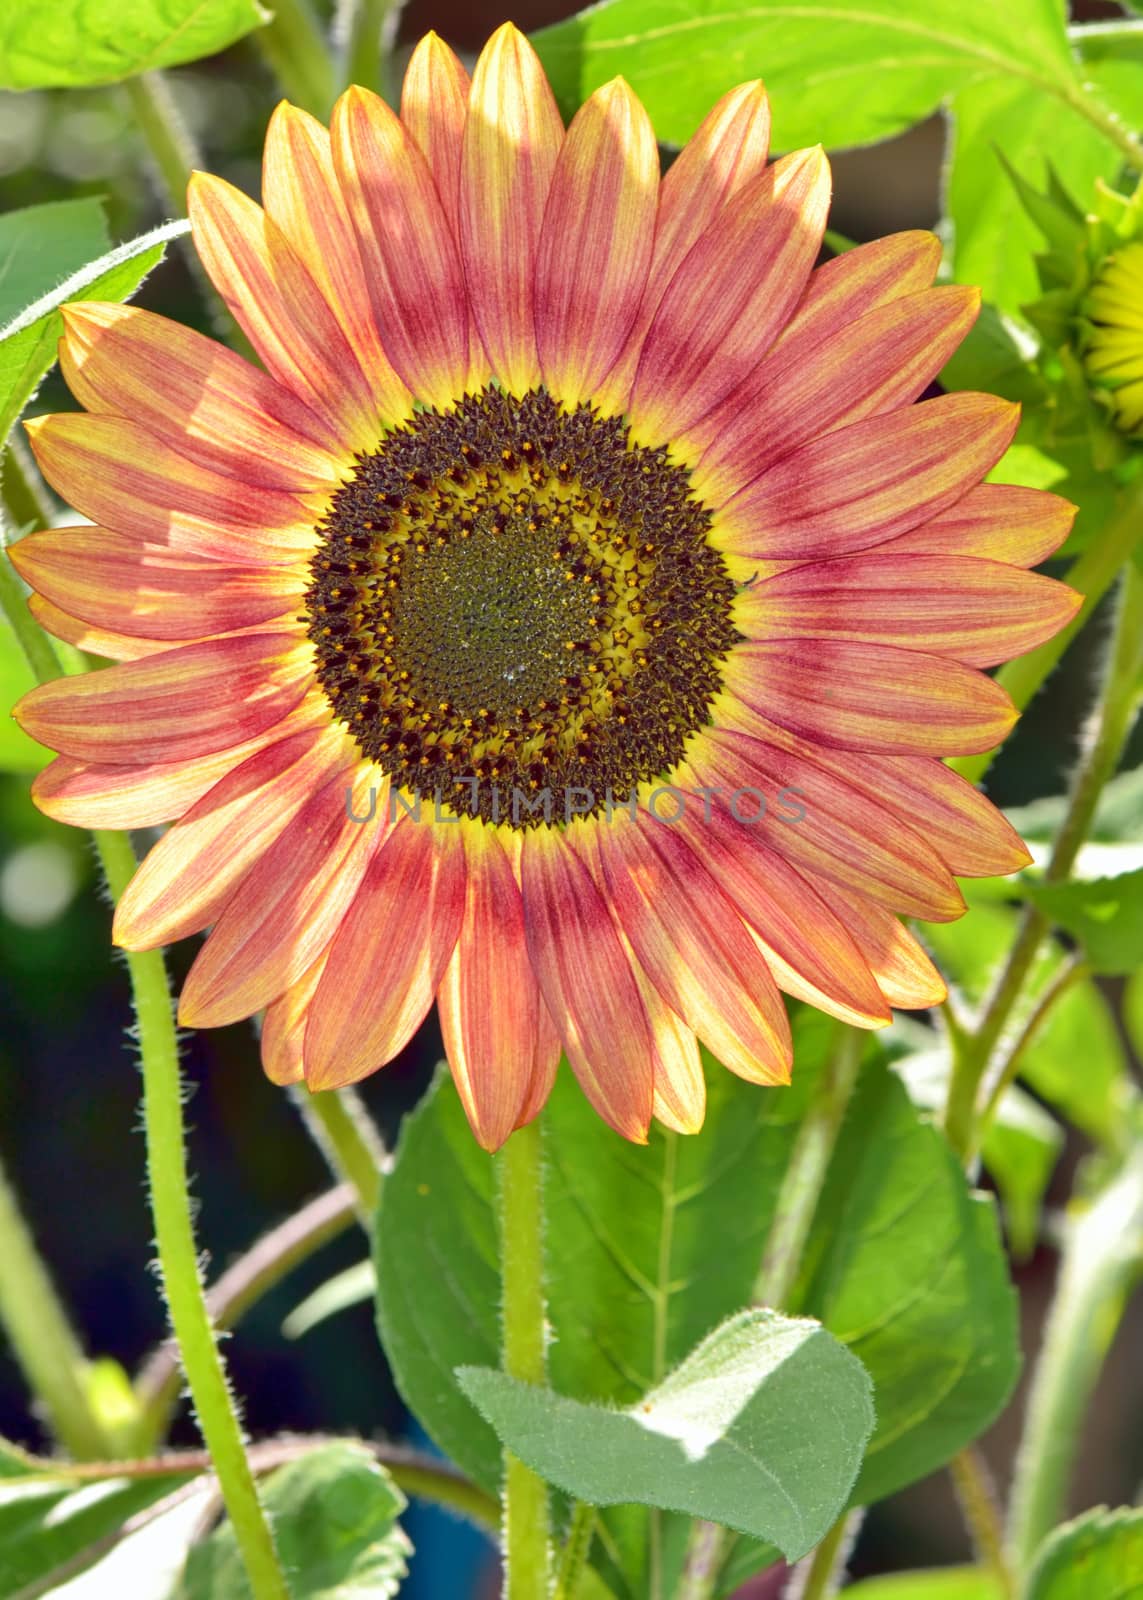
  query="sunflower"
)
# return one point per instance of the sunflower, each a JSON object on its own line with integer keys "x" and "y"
{"x": 565, "y": 624}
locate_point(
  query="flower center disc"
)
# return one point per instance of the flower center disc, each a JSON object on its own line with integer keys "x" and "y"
{"x": 509, "y": 597}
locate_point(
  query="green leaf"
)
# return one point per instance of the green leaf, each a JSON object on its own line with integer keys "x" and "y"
{"x": 344, "y": 1289}
{"x": 45, "y": 244}
{"x": 334, "y": 1514}
{"x": 761, "y": 1429}
{"x": 994, "y": 240}
{"x": 48, "y": 1520}
{"x": 1104, "y": 916}
{"x": 1118, "y": 816}
{"x": 69, "y": 43}
{"x": 18, "y": 752}
{"x": 943, "y": 1583}
{"x": 904, "y": 1263}
{"x": 28, "y": 340}
{"x": 1099, "y": 1554}
{"x": 836, "y": 74}
{"x": 997, "y": 356}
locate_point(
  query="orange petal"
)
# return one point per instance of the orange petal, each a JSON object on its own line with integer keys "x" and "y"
{"x": 134, "y": 587}
{"x": 497, "y": 1032}
{"x": 90, "y": 636}
{"x": 730, "y": 298}
{"x": 904, "y": 973}
{"x": 808, "y": 951}
{"x": 595, "y": 247}
{"x": 866, "y": 483}
{"x": 694, "y": 949}
{"x": 182, "y": 703}
{"x": 512, "y": 140}
{"x": 587, "y": 983}
{"x": 998, "y": 521}
{"x": 198, "y": 396}
{"x": 979, "y": 612}
{"x": 434, "y": 104}
{"x": 94, "y": 795}
{"x": 883, "y": 360}
{"x": 400, "y": 932}
{"x": 679, "y": 1100}
{"x": 190, "y": 874}
{"x": 871, "y": 697}
{"x": 412, "y": 263}
{"x": 810, "y": 818}
{"x": 301, "y": 194}
{"x": 849, "y": 286}
{"x": 274, "y": 299}
{"x": 288, "y": 907}
{"x": 971, "y": 836}
{"x": 123, "y": 476}
{"x": 284, "y": 1027}
{"x": 726, "y": 152}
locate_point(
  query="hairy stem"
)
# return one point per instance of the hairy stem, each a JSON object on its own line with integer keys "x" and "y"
{"x": 527, "y": 1529}
{"x": 976, "y": 1495}
{"x": 368, "y": 29}
{"x": 347, "y": 1137}
{"x": 263, "y": 1266}
{"x": 577, "y": 1547}
{"x": 41, "y": 1337}
{"x": 1100, "y": 1260}
{"x": 820, "y": 1575}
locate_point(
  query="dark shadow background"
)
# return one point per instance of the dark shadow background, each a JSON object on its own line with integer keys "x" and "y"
{"x": 68, "y": 1083}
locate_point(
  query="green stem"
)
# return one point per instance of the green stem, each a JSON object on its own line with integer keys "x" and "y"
{"x": 42, "y": 1339}
{"x": 346, "y": 1135}
{"x": 298, "y": 53}
{"x": 1092, "y": 574}
{"x": 1099, "y": 1263}
{"x": 33, "y": 641}
{"x": 1111, "y": 727}
{"x": 1071, "y": 970}
{"x": 177, "y": 1251}
{"x": 782, "y": 1258}
{"x": 527, "y": 1530}
{"x": 26, "y": 498}
{"x": 255, "y": 1272}
{"x": 823, "y": 1569}
{"x": 576, "y": 1549}
{"x": 369, "y": 27}
{"x": 976, "y": 1495}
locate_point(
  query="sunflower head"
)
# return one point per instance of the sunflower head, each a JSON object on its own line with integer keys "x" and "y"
{"x": 566, "y": 621}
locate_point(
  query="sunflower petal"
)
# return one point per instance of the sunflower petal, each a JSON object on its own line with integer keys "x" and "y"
{"x": 978, "y": 612}
{"x": 190, "y": 874}
{"x": 89, "y": 636}
{"x": 302, "y": 196}
{"x": 512, "y": 141}
{"x": 127, "y": 585}
{"x": 726, "y": 152}
{"x": 730, "y": 298}
{"x": 695, "y": 950}
{"x": 595, "y": 247}
{"x": 412, "y": 263}
{"x": 284, "y": 1028}
{"x": 434, "y": 105}
{"x": 182, "y": 703}
{"x": 123, "y": 476}
{"x": 400, "y": 931}
{"x": 867, "y": 482}
{"x": 996, "y": 521}
{"x": 588, "y": 985}
{"x": 496, "y": 1028}
{"x": 881, "y": 361}
{"x": 871, "y": 697}
{"x": 280, "y": 308}
{"x": 904, "y": 973}
{"x": 286, "y": 910}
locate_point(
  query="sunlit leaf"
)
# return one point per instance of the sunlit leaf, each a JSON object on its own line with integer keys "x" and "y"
{"x": 1104, "y": 916}
{"x": 943, "y": 1583}
{"x": 1100, "y": 1553}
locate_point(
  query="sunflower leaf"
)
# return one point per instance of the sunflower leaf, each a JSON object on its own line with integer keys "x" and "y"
{"x": 904, "y": 1265}
{"x": 28, "y": 338}
{"x": 836, "y": 75}
{"x": 335, "y": 1525}
{"x": 760, "y": 1428}
{"x": 1105, "y": 916}
{"x": 1100, "y": 1553}
{"x": 66, "y": 44}
{"x": 942, "y": 1583}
